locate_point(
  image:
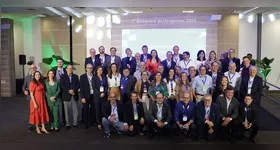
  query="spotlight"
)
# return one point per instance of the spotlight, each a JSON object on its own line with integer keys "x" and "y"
{"x": 99, "y": 35}
{"x": 240, "y": 16}
{"x": 271, "y": 17}
{"x": 90, "y": 20}
{"x": 78, "y": 29}
{"x": 250, "y": 18}
{"x": 100, "y": 21}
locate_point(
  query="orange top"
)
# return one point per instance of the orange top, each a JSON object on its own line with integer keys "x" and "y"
{"x": 152, "y": 67}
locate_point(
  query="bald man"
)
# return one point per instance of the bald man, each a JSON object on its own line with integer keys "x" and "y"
{"x": 253, "y": 85}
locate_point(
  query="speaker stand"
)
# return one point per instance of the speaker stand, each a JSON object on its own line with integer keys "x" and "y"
{"x": 23, "y": 74}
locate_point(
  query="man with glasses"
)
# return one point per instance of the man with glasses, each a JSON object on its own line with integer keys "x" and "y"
{"x": 207, "y": 118}
{"x": 137, "y": 74}
{"x": 86, "y": 92}
{"x": 231, "y": 58}
{"x": 25, "y": 86}
{"x": 168, "y": 63}
{"x": 145, "y": 56}
{"x": 93, "y": 60}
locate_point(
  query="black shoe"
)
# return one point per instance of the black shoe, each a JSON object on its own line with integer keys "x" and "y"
{"x": 29, "y": 129}
{"x": 254, "y": 140}
{"x": 151, "y": 136}
{"x": 67, "y": 128}
{"x": 232, "y": 140}
{"x": 106, "y": 135}
{"x": 75, "y": 126}
{"x": 141, "y": 133}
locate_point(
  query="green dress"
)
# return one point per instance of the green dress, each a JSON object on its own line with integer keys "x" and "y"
{"x": 162, "y": 88}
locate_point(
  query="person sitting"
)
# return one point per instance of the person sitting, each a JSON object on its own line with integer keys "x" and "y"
{"x": 113, "y": 115}
{"x": 135, "y": 115}
{"x": 184, "y": 116}
{"x": 207, "y": 118}
{"x": 159, "y": 116}
{"x": 248, "y": 119}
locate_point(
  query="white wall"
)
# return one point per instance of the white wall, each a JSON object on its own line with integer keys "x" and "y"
{"x": 271, "y": 48}
{"x": 247, "y": 37}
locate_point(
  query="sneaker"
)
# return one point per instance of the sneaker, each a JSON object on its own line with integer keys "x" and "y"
{"x": 107, "y": 135}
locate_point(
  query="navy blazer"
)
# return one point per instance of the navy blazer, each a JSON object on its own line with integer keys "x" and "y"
{"x": 256, "y": 90}
{"x": 96, "y": 87}
{"x": 66, "y": 86}
{"x": 130, "y": 112}
{"x": 149, "y": 56}
{"x": 96, "y": 62}
{"x": 226, "y": 61}
{"x": 252, "y": 116}
{"x": 181, "y": 110}
{"x": 84, "y": 86}
{"x": 214, "y": 114}
{"x": 166, "y": 69}
{"x": 131, "y": 62}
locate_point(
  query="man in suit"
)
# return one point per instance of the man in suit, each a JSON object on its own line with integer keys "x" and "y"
{"x": 138, "y": 61}
{"x": 215, "y": 74}
{"x": 113, "y": 58}
{"x": 25, "y": 87}
{"x": 93, "y": 60}
{"x": 184, "y": 116}
{"x": 161, "y": 70}
{"x": 160, "y": 116}
{"x": 102, "y": 58}
{"x": 176, "y": 56}
{"x": 228, "y": 106}
{"x": 252, "y": 61}
{"x": 135, "y": 115}
{"x": 231, "y": 58}
{"x": 138, "y": 73}
{"x": 253, "y": 85}
{"x": 168, "y": 63}
{"x": 246, "y": 64}
{"x": 248, "y": 118}
{"x": 145, "y": 56}
{"x": 207, "y": 118}
{"x": 113, "y": 115}
{"x": 70, "y": 85}
{"x": 86, "y": 92}
{"x": 129, "y": 61}
{"x": 127, "y": 85}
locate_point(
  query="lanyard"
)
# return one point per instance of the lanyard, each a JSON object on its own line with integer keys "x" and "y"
{"x": 250, "y": 83}
{"x": 187, "y": 87}
{"x": 114, "y": 109}
{"x": 159, "y": 111}
{"x": 203, "y": 81}
{"x": 230, "y": 78}
{"x": 171, "y": 84}
{"x": 157, "y": 87}
{"x": 186, "y": 110}
{"x": 207, "y": 112}
{"x": 134, "y": 108}
{"x": 186, "y": 64}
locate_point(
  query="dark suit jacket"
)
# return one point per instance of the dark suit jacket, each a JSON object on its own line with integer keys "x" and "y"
{"x": 219, "y": 76}
{"x": 107, "y": 108}
{"x": 142, "y": 57}
{"x": 166, "y": 69}
{"x": 55, "y": 69}
{"x": 252, "y": 116}
{"x": 96, "y": 87}
{"x": 226, "y": 61}
{"x": 256, "y": 90}
{"x": 118, "y": 61}
{"x": 232, "y": 110}
{"x": 85, "y": 87}
{"x": 96, "y": 62}
{"x": 166, "y": 112}
{"x": 130, "y": 85}
{"x": 181, "y": 56}
{"x": 130, "y": 112}
{"x": 131, "y": 62}
{"x": 66, "y": 86}
{"x": 214, "y": 114}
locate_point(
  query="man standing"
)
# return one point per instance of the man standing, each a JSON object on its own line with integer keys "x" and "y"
{"x": 127, "y": 85}
{"x": 234, "y": 78}
{"x": 161, "y": 70}
{"x": 137, "y": 58}
{"x": 129, "y": 61}
{"x": 145, "y": 56}
{"x": 176, "y": 56}
{"x": 246, "y": 66}
{"x": 113, "y": 58}
{"x": 215, "y": 74}
{"x": 102, "y": 58}
{"x": 137, "y": 74}
{"x": 25, "y": 87}
{"x": 231, "y": 58}
{"x": 168, "y": 63}
{"x": 93, "y": 60}
{"x": 186, "y": 62}
{"x": 70, "y": 85}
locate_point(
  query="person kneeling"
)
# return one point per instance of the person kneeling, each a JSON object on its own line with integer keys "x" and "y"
{"x": 113, "y": 115}
{"x": 159, "y": 116}
{"x": 248, "y": 119}
{"x": 184, "y": 116}
{"x": 207, "y": 118}
{"x": 135, "y": 115}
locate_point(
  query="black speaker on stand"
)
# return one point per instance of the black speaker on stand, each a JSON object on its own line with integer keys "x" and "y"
{"x": 22, "y": 61}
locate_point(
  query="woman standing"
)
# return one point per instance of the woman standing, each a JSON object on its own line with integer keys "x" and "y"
{"x": 200, "y": 59}
{"x": 219, "y": 90}
{"x": 171, "y": 84}
{"x": 38, "y": 107}
{"x": 158, "y": 86}
{"x": 182, "y": 87}
{"x": 100, "y": 87}
{"x": 53, "y": 99}
{"x": 153, "y": 62}
{"x": 141, "y": 88}
{"x": 211, "y": 59}
{"x": 114, "y": 79}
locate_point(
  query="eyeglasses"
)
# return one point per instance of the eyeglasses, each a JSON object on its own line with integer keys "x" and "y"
{"x": 186, "y": 97}
{"x": 89, "y": 68}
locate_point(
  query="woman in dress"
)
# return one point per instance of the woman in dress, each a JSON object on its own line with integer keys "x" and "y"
{"x": 212, "y": 58}
{"x": 171, "y": 84}
{"x": 182, "y": 87}
{"x": 53, "y": 99}
{"x": 158, "y": 86}
{"x": 141, "y": 88}
{"x": 38, "y": 107}
{"x": 200, "y": 59}
{"x": 114, "y": 79}
{"x": 153, "y": 62}
{"x": 100, "y": 87}
{"x": 220, "y": 89}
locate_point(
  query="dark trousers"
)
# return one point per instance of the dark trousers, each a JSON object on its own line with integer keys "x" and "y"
{"x": 124, "y": 98}
{"x": 89, "y": 111}
{"x": 137, "y": 128}
{"x": 172, "y": 104}
{"x": 191, "y": 130}
{"x": 202, "y": 131}
{"x": 254, "y": 131}
{"x": 153, "y": 128}
{"x": 98, "y": 103}
{"x": 230, "y": 130}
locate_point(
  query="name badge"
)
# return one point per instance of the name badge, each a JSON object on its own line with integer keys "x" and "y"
{"x": 204, "y": 89}
{"x": 91, "y": 91}
{"x": 101, "y": 89}
{"x": 145, "y": 90}
{"x": 214, "y": 83}
{"x": 185, "y": 118}
{"x": 135, "y": 116}
{"x": 113, "y": 115}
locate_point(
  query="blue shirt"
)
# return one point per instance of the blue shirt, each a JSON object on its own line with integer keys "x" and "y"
{"x": 183, "y": 109}
{"x": 202, "y": 85}
{"x": 123, "y": 84}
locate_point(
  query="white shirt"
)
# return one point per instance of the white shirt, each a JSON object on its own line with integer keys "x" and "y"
{"x": 115, "y": 81}
{"x": 169, "y": 86}
{"x": 176, "y": 59}
{"x": 228, "y": 103}
{"x": 186, "y": 64}
{"x": 233, "y": 78}
{"x": 198, "y": 63}
{"x": 90, "y": 83}
{"x": 112, "y": 59}
{"x": 250, "y": 84}
{"x": 114, "y": 110}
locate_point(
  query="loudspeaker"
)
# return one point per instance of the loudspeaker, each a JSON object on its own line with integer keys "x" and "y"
{"x": 22, "y": 59}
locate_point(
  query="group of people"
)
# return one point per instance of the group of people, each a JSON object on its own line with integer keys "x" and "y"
{"x": 202, "y": 98}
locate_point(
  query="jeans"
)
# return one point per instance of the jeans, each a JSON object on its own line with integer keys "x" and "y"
{"x": 106, "y": 124}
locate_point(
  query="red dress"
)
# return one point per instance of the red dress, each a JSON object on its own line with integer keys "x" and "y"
{"x": 152, "y": 67}
{"x": 40, "y": 115}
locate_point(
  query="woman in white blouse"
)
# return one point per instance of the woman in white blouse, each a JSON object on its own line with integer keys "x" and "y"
{"x": 171, "y": 84}
{"x": 114, "y": 79}
{"x": 200, "y": 59}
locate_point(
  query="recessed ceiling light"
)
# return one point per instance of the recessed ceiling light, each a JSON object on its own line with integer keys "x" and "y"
{"x": 136, "y": 12}
{"x": 188, "y": 11}
{"x": 41, "y": 15}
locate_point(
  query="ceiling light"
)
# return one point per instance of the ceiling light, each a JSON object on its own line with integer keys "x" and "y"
{"x": 116, "y": 19}
{"x": 99, "y": 35}
{"x": 88, "y": 13}
{"x": 250, "y": 18}
{"x": 41, "y": 15}
{"x": 78, "y": 29}
{"x": 112, "y": 11}
{"x": 90, "y": 19}
{"x": 56, "y": 11}
{"x": 68, "y": 22}
{"x": 100, "y": 21}
{"x": 188, "y": 11}
{"x": 245, "y": 12}
{"x": 136, "y": 12}
{"x": 74, "y": 12}
{"x": 240, "y": 16}
{"x": 271, "y": 17}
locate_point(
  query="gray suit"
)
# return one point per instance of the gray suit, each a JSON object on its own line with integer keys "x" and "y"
{"x": 118, "y": 61}
{"x": 232, "y": 111}
{"x": 25, "y": 86}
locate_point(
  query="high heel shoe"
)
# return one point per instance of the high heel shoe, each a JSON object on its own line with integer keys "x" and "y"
{"x": 38, "y": 131}
{"x": 45, "y": 131}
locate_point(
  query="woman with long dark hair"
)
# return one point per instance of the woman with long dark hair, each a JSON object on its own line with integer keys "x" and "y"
{"x": 212, "y": 58}
{"x": 114, "y": 80}
{"x": 158, "y": 86}
{"x": 182, "y": 87}
{"x": 220, "y": 89}
{"x": 171, "y": 84}
{"x": 53, "y": 99}
{"x": 153, "y": 62}
{"x": 201, "y": 58}
{"x": 38, "y": 107}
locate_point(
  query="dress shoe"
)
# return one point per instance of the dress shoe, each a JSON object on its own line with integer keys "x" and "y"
{"x": 254, "y": 140}
{"x": 107, "y": 135}
{"x": 67, "y": 128}
{"x": 30, "y": 129}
